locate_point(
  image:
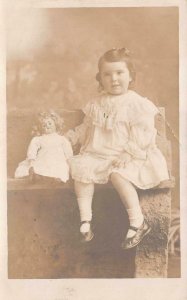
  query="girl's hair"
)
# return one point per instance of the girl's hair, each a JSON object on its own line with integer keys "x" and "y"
{"x": 58, "y": 120}
{"x": 117, "y": 55}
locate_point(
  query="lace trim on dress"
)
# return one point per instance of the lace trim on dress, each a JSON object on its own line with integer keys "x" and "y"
{"x": 107, "y": 110}
{"x": 90, "y": 180}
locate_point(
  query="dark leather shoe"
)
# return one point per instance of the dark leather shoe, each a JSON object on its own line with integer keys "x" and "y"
{"x": 141, "y": 232}
{"x": 87, "y": 236}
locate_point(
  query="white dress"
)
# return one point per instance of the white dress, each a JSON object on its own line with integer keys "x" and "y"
{"x": 112, "y": 126}
{"x": 50, "y": 153}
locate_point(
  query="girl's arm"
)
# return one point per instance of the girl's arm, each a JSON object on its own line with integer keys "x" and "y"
{"x": 141, "y": 137}
{"x": 78, "y": 134}
{"x": 67, "y": 148}
{"x": 142, "y": 130}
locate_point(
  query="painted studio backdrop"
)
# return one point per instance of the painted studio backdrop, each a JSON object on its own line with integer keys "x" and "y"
{"x": 52, "y": 57}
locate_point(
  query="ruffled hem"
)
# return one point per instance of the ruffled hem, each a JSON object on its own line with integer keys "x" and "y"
{"x": 143, "y": 174}
{"x": 89, "y": 180}
{"x": 90, "y": 169}
{"x": 140, "y": 186}
{"x": 104, "y": 181}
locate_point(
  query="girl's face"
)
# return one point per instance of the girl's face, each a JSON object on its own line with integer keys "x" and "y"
{"x": 115, "y": 77}
{"x": 48, "y": 126}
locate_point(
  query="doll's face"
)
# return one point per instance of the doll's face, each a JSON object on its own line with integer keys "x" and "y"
{"x": 115, "y": 77}
{"x": 48, "y": 126}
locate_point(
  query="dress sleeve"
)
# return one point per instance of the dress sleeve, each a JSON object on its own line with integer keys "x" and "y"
{"x": 33, "y": 148}
{"x": 79, "y": 133}
{"x": 67, "y": 148}
{"x": 142, "y": 132}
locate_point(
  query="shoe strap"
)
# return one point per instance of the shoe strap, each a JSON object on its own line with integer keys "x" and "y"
{"x": 85, "y": 222}
{"x": 136, "y": 228}
{"x": 133, "y": 228}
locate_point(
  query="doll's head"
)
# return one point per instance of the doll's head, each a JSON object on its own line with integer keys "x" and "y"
{"x": 116, "y": 71}
{"x": 48, "y": 122}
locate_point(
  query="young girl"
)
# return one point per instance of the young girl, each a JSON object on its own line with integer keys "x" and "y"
{"x": 118, "y": 144}
{"x": 48, "y": 151}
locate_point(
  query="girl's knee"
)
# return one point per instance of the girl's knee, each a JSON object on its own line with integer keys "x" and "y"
{"x": 119, "y": 180}
{"x": 116, "y": 177}
{"x": 113, "y": 176}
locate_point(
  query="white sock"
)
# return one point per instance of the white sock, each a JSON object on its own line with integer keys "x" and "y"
{"x": 135, "y": 218}
{"x": 85, "y": 228}
{"x": 85, "y": 208}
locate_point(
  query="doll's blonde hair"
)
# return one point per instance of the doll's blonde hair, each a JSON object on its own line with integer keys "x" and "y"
{"x": 58, "y": 120}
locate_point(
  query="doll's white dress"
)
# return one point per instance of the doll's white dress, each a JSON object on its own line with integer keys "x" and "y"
{"x": 114, "y": 125}
{"x": 50, "y": 153}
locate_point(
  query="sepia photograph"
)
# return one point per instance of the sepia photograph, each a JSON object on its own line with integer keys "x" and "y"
{"x": 93, "y": 144}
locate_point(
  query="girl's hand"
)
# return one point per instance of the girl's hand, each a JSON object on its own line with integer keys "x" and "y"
{"x": 122, "y": 160}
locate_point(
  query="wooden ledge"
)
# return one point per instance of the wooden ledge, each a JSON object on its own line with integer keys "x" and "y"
{"x": 25, "y": 184}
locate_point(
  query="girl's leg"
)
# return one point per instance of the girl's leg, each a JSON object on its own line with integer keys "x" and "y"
{"x": 84, "y": 193}
{"x": 129, "y": 198}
